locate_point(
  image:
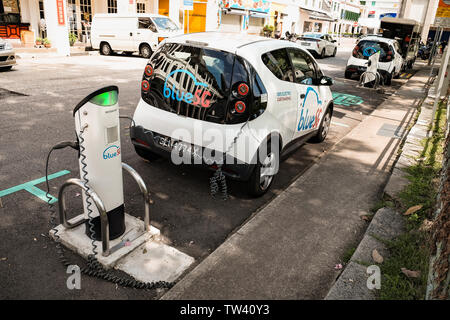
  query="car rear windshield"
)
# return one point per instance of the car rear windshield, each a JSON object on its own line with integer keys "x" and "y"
{"x": 365, "y": 48}
{"x": 305, "y": 38}
{"x": 202, "y": 83}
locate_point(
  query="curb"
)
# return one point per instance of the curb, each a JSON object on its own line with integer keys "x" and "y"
{"x": 386, "y": 224}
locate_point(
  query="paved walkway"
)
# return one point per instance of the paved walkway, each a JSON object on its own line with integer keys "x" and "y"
{"x": 288, "y": 250}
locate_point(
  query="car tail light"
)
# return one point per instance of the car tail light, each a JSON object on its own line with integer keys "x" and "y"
{"x": 239, "y": 107}
{"x": 355, "y": 51}
{"x": 389, "y": 58}
{"x": 148, "y": 70}
{"x": 389, "y": 53}
{"x": 145, "y": 85}
{"x": 243, "y": 89}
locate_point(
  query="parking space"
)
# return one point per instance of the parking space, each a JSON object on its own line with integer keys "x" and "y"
{"x": 37, "y": 99}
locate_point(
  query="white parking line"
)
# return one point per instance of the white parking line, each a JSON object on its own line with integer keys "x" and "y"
{"x": 340, "y": 124}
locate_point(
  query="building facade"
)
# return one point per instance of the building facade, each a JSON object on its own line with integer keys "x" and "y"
{"x": 374, "y": 11}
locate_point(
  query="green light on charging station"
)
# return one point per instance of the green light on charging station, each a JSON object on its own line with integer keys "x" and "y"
{"x": 105, "y": 99}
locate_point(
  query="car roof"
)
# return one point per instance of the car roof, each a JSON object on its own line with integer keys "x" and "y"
{"x": 230, "y": 42}
{"x": 378, "y": 39}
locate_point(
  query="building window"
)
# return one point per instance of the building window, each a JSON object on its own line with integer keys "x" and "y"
{"x": 112, "y": 6}
{"x": 374, "y": 3}
{"x": 140, "y": 7}
{"x": 362, "y": 3}
{"x": 72, "y": 16}
{"x": 86, "y": 10}
{"x": 41, "y": 9}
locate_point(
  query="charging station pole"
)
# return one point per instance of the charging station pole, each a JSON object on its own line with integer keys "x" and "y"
{"x": 97, "y": 127}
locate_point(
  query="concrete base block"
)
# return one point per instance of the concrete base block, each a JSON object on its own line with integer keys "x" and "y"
{"x": 154, "y": 261}
{"x": 76, "y": 240}
{"x": 145, "y": 258}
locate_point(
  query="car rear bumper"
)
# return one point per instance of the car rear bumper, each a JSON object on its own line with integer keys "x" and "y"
{"x": 360, "y": 70}
{"x": 147, "y": 140}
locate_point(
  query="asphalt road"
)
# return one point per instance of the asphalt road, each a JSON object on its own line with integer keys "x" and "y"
{"x": 36, "y": 102}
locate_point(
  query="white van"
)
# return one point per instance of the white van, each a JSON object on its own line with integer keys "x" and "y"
{"x": 131, "y": 33}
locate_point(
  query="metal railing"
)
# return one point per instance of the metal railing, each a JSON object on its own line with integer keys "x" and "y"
{"x": 106, "y": 250}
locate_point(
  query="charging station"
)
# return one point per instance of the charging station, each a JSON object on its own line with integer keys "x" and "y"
{"x": 127, "y": 243}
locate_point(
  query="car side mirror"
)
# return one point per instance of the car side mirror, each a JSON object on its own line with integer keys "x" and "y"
{"x": 326, "y": 81}
{"x": 152, "y": 28}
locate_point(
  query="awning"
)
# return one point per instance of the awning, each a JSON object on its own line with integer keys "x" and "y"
{"x": 241, "y": 12}
{"x": 318, "y": 15}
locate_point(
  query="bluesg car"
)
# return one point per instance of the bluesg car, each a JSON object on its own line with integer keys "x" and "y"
{"x": 244, "y": 99}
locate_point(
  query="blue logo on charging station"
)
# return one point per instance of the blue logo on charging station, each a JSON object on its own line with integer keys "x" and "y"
{"x": 111, "y": 152}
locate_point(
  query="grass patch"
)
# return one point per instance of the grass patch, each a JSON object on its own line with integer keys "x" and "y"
{"x": 424, "y": 176}
{"x": 411, "y": 250}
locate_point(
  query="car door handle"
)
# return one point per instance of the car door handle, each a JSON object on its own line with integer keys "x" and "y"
{"x": 302, "y": 96}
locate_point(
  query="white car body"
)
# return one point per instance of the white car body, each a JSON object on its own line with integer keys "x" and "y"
{"x": 318, "y": 44}
{"x": 292, "y": 110}
{"x": 392, "y": 68}
{"x": 7, "y": 55}
{"x": 126, "y": 33}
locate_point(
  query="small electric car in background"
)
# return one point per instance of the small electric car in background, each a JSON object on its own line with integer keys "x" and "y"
{"x": 231, "y": 95}
{"x": 7, "y": 55}
{"x": 318, "y": 44}
{"x": 391, "y": 62}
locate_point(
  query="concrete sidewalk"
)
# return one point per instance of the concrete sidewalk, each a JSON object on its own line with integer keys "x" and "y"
{"x": 289, "y": 248}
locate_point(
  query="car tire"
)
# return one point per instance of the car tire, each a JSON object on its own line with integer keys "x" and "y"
{"x": 348, "y": 75}
{"x": 334, "y": 52}
{"x": 146, "y": 154}
{"x": 145, "y": 51}
{"x": 388, "y": 79}
{"x": 6, "y": 68}
{"x": 257, "y": 185}
{"x": 324, "y": 127}
{"x": 396, "y": 75}
{"x": 322, "y": 54}
{"x": 105, "y": 49}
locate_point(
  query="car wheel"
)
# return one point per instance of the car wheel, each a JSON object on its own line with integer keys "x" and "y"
{"x": 388, "y": 79}
{"x": 260, "y": 181}
{"x": 348, "y": 75}
{"x": 322, "y": 54}
{"x": 324, "y": 127}
{"x": 146, "y": 154}
{"x": 334, "y": 52}
{"x": 105, "y": 49}
{"x": 145, "y": 51}
{"x": 396, "y": 75}
{"x": 6, "y": 68}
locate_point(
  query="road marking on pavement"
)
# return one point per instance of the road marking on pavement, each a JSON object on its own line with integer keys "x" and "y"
{"x": 31, "y": 187}
{"x": 344, "y": 99}
{"x": 340, "y": 124}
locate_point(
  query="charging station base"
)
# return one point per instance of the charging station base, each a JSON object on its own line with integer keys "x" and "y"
{"x": 145, "y": 257}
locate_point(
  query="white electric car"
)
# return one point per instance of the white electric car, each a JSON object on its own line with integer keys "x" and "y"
{"x": 391, "y": 62}
{"x": 319, "y": 44}
{"x": 232, "y": 97}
